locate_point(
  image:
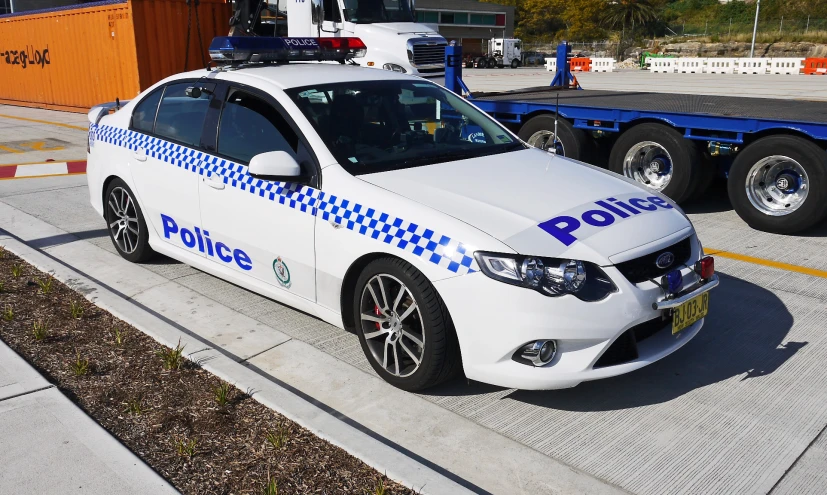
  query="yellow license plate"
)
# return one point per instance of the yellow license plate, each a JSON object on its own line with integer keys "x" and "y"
{"x": 689, "y": 312}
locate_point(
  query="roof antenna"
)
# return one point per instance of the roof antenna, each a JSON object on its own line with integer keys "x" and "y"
{"x": 556, "y": 113}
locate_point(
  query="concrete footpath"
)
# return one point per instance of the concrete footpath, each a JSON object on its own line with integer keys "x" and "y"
{"x": 49, "y": 445}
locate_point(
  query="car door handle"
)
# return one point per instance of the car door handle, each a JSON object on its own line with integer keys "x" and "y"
{"x": 213, "y": 183}
{"x": 139, "y": 155}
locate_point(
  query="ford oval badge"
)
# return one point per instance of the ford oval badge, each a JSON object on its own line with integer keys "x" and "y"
{"x": 665, "y": 260}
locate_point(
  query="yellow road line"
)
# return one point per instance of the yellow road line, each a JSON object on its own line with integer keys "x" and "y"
{"x": 761, "y": 261}
{"x": 61, "y": 124}
{"x": 42, "y": 176}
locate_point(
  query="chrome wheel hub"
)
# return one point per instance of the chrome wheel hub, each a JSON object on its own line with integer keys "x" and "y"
{"x": 650, "y": 164}
{"x": 544, "y": 140}
{"x": 123, "y": 220}
{"x": 392, "y": 325}
{"x": 777, "y": 185}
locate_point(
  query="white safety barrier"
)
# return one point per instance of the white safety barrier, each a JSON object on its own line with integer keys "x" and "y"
{"x": 551, "y": 64}
{"x": 662, "y": 65}
{"x": 753, "y": 65}
{"x": 690, "y": 65}
{"x": 786, "y": 65}
{"x": 721, "y": 65}
{"x": 603, "y": 64}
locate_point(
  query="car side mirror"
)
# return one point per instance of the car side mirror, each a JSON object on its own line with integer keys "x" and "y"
{"x": 275, "y": 165}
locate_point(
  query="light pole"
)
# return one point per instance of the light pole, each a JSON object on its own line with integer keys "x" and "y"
{"x": 754, "y": 28}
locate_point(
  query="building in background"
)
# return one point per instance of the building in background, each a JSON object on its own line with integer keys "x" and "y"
{"x": 468, "y": 22}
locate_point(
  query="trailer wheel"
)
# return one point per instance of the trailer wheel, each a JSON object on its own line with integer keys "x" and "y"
{"x": 539, "y": 132}
{"x": 778, "y": 184}
{"x": 515, "y": 63}
{"x": 658, "y": 157}
{"x": 480, "y": 63}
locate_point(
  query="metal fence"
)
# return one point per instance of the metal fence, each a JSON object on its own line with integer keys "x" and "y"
{"x": 734, "y": 30}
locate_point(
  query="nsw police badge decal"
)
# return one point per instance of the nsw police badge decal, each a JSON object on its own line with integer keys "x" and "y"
{"x": 282, "y": 272}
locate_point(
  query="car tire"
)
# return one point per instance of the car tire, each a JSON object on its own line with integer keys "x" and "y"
{"x": 387, "y": 326}
{"x": 788, "y": 156}
{"x": 539, "y": 130}
{"x": 659, "y": 146}
{"x": 125, "y": 222}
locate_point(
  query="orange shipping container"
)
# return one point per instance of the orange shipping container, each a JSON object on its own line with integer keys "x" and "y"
{"x": 74, "y": 58}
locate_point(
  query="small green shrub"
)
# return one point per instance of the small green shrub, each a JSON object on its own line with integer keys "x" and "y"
{"x": 222, "y": 394}
{"x": 272, "y": 486}
{"x": 379, "y": 488}
{"x": 186, "y": 448}
{"x": 76, "y": 309}
{"x": 8, "y": 313}
{"x": 40, "y": 330}
{"x": 134, "y": 406}
{"x": 45, "y": 285}
{"x": 278, "y": 439}
{"x": 118, "y": 336}
{"x": 173, "y": 358}
{"x": 16, "y": 270}
{"x": 81, "y": 366}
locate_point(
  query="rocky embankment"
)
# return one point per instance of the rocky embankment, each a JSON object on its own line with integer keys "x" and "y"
{"x": 738, "y": 49}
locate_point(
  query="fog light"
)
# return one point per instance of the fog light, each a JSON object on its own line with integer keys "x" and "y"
{"x": 539, "y": 352}
{"x": 705, "y": 267}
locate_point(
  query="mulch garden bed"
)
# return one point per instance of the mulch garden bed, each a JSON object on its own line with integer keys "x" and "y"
{"x": 204, "y": 436}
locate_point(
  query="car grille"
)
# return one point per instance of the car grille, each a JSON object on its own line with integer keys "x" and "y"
{"x": 428, "y": 54}
{"x": 624, "y": 349}
{"x": 644, "y": 268}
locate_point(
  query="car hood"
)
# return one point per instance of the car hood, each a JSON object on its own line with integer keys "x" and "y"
{"x": 542, "y": 204}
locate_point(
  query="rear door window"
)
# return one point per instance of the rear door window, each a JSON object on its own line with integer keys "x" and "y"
{"x": 143, "y": 118}
{"x": 181, "y": 117}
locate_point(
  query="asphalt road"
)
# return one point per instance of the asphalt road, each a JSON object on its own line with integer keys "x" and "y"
{"x": 740, "y": 409}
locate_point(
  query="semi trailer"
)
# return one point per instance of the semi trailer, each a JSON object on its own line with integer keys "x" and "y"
{"x": 771, "y": 151}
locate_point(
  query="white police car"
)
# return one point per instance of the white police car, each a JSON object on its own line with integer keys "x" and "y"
{"x": 384, "y": 204}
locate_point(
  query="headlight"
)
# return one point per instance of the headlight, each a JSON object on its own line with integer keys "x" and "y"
{"x": 394, "y": 67}
{"x": 549, "y": 276}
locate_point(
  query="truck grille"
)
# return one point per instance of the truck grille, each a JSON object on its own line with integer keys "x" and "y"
{"x": 644, "y": 268}
{"x": 425, "y": 53}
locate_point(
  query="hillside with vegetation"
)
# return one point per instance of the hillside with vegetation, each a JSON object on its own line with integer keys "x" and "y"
{"x": 541, "y": 21}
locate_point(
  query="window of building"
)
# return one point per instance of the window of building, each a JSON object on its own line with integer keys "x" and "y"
{"x": 483, "y": 19}
{"x": 427, "y": 17}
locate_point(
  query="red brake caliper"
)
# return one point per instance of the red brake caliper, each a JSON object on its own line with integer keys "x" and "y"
{"x": 377, "y": 312}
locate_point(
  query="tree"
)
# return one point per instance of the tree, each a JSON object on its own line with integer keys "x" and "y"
{"x": 627, "y": 13}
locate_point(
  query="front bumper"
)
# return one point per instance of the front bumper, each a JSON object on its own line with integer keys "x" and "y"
{"x": 493, "y": 320}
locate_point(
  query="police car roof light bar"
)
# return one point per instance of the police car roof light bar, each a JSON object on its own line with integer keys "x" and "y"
{"x": 236, "y": 50}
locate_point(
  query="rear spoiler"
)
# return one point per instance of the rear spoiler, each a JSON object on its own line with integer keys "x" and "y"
{"x": 97, "y": 112}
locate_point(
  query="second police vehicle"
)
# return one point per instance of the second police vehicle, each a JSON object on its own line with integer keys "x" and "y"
{"x": 389, "y": 206}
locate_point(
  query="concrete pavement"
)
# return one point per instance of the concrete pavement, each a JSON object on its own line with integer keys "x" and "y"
{"x": 49, "y": 446}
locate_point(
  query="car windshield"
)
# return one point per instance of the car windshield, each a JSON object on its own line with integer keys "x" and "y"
{"x": 370, "y": 11}
{"x": 376, "y": 126}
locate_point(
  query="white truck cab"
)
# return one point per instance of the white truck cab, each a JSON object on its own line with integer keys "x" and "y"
{"x": 395, "y": 41}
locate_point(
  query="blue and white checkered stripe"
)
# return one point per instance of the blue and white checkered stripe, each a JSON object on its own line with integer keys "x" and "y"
{"x": 408, "y": 236}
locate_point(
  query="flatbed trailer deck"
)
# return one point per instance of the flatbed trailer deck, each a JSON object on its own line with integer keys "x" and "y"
{"x": 772, "y": 151}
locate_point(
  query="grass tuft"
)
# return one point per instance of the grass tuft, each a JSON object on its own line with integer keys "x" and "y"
{"x": 16, "y": 270}
{"x": 186, "y": 448}
{"x": 379, "y": 488}
{"x": 8, "y": 313}
{"x": 40, "y": 330}
{"x": 76, "y": 309}
{"x": 2, "y": 286}
{"x": 173, "y": 358}
{"x": 134, "y": 406}
{"x": 222, "y": 393}
{"x": 45, "y": 285}
{"x": 81, "y": 366}
{"x": 118, "y": 336}
{"x": 278, "y": 439}
{"x": 272, "y": 486}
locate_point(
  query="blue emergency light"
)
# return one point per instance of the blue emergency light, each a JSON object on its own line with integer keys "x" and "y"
{"x": 243, "y": 49}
